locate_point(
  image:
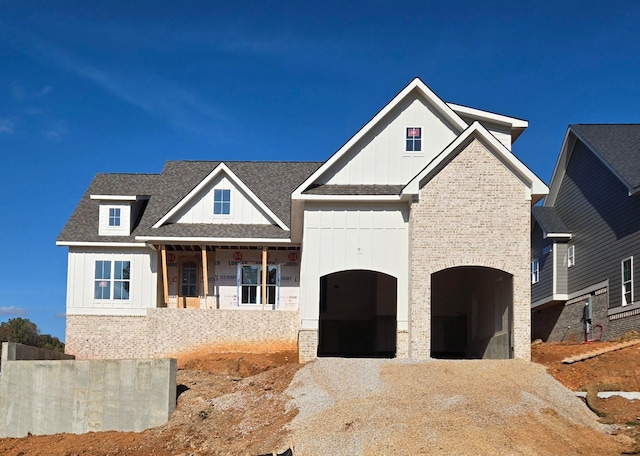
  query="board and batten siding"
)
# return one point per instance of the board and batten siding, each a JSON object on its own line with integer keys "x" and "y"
{"x": 604, "y": 221}
{"x": 544, "y": 288}
{"x": 80, "y": 286}
{"x": 380, "y": 157}
{"x": 340, "y": 237}
{"x": 243, "y": 210}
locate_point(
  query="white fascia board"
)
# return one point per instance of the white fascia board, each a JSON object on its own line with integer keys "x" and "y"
{"x": 119, "y": 197}
{"x": 439, "y": 105}
{"x": 209, "y": 240}
{"x": 100, "y": 244}
{"x": 537, "y": 188}
{"x": 557, "y": 236}
{"x": 221, "y": 169}
{"x": 372, "y": 198}
{"x": 558, "y": 170}
{"x": 491, "y": 117}
{"x": 517, "y": 126}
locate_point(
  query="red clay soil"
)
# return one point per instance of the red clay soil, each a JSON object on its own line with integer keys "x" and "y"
{"x": 197, "y": 428}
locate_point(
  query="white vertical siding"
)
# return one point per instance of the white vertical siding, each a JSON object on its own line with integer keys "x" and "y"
{"x": 243, "y": 210}
{"x": 81, "y": 278}
{"x": 340, "y": 237}
{"x": 380, "y": 157}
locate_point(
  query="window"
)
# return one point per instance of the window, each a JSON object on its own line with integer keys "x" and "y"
{"x": 112, "y": 280}
{"x": 414, "y": 139}
{"x": 222, "y": 202}
{"x": 250, "y": 285}
{"x": 535, "y": 271}
{"x": 627, "y": 281}
{"x": 571, "y": 255}
{"x": 114, "y": 216}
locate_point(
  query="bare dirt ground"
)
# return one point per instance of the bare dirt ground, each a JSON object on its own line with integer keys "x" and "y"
{"x": 235, "y": 404}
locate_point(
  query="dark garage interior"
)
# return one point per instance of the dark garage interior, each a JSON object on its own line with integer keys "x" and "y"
{"x": 358, "y": 314}
{"x": 471, "y": 313}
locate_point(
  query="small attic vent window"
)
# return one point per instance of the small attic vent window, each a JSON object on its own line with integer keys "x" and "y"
{"x": 114, "y": 216}
{"x": 414, "y": 139}
{"x": 222, "y": 202}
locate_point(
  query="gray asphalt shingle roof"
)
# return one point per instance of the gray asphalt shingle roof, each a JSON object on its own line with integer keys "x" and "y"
{"x": 271, "y": 182}
{"x": 355, "y": 190}
{"x": 618, "y": 145}
{"x": 549, "y": 220}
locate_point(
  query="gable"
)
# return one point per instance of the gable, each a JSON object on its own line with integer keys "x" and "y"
{"x": 380, "y": 156}
{"x": 241, "y": 208}
{"x": 535, "y": 188}
{"x": 197, "y": 206}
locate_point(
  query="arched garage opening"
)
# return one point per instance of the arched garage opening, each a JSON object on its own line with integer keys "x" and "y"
{"x": 357, "y": 314}
{"x": 471, "y": 313}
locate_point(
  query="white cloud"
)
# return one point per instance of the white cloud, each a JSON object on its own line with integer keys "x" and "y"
{"x": 7, "y": 125}
{"x": 11, "y": 310}
{"x": 55, "y": 130}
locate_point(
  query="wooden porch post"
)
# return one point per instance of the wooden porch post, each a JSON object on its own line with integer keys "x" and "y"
{"x": 165, "y": 283}
{"x": 205, "y": 274}
{"x": 264, "y": 276}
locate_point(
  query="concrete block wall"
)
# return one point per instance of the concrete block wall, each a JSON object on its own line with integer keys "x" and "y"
{"x": 165, "y": 331}
{"x": 50, "y": 397}
{"x": 474, "y": 212}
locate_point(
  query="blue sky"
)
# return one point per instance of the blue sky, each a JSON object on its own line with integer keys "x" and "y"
{"x": 88, "y": 87}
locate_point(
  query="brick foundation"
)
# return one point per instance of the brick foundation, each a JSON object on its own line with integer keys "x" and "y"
{"x": 164, "y": 332}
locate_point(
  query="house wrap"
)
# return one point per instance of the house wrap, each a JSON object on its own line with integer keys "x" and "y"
{"x": 412, "y": 240}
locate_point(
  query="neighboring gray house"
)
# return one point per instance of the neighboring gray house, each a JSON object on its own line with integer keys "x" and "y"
{"x": 586, "y": 236}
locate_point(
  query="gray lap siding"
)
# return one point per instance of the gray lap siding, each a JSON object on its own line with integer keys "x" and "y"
{"x": 604, "y": 222}
{"x": 544, "y": 287}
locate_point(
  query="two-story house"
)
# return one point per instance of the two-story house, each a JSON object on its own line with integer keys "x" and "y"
{"x": 586, "y": 236}
{"x": 412, "y": 240}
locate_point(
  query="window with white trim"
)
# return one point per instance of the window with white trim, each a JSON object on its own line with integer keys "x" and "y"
{"x": 114, "y": 216}
{"x": 571, "y": 255}
{"x": 251, "y": 284}
{"x": 112, "y": 280}
{"x": 413, "y": 139}
{"x": 627, "y": 281}
{"x": 535, "y": 271}
{"x": 221, "y": 201}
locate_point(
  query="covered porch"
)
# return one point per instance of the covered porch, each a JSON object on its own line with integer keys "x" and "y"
{"x": 228, "y": 276}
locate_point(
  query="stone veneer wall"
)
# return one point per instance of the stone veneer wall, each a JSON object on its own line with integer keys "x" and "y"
{"x": 165, "y": 332}
{"x": 474, "y": 212}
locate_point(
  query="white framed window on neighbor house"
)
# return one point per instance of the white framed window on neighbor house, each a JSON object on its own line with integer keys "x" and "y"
{"x": 222, "y": 201}
{"x": 571, "y": 255}
{"x": 535, "y": 271}
{"x": 112, "y": 280}
{"x": 413, "y": 139}
{"x": 250, "y": 284}
{"x": 114, "y": 216}
{"x": 627, "y": 281}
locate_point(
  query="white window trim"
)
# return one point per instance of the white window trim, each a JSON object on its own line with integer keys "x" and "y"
{"x": 258, "y": 286}
{"x": 630, "y": 281}
{"x": 571, "y": 256}
{"x": 404, "y": 141}
{"x": 217, "y": 216}
{"x": 535, "y": 271}
{"x": 116, "y": 218}
{"x": 112, "y": 280}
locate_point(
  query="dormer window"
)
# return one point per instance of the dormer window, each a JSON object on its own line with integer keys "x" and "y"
{"x": 114, "y": 216}
{"x": 222, "y": 202}
{"x": 414, "y": 139}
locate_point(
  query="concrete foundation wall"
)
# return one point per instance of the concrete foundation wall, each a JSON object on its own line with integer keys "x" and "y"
{"x": 164, "y": 332}
{"x": 50, "y": 397}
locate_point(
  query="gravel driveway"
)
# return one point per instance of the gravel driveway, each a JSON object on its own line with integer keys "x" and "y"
{"x": 474, "y": 407}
